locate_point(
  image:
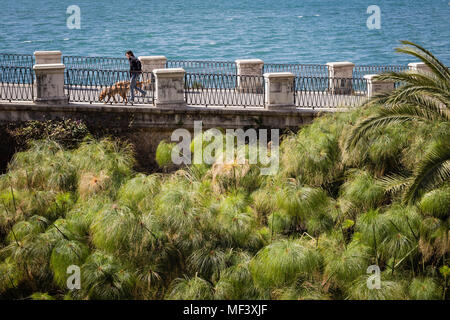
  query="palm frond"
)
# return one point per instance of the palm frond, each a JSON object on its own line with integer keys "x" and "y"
{"x": 432, "y": 171}
{"x": 437, "y": 67}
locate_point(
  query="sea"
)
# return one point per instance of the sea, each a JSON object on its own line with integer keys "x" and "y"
{"x": 281, "y": 31}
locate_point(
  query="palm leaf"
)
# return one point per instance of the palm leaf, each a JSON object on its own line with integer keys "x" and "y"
{"x": 432, "y": 171}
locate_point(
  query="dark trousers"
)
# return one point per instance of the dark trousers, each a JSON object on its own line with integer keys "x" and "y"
{"x": 134, "y": 78}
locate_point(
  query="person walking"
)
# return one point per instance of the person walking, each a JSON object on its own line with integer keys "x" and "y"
{"x": 135, "y": 72}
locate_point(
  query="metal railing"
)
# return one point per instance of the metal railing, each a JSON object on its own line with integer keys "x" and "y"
{"x": 207, "y": 83}
{"x": 200, "y": 66}
{"x": 299, "y": 70}
{"x": 324, "y": 92}
{"x": 16, "y": 83}
{"x": 205, "y": 66}
{"x": 16, "y": 60}
{"x": 224, "y": 90}
{"x": 359, "y": 71}
{"x": 113, "y": 86}
{"x": 96, "y": 63}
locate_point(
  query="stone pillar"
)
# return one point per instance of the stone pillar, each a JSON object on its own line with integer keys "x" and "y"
{"x": 376, "y": 86}
{"x": 150, "y": 63}
{"x": 340, "y": 75}
{"x": 169, "y": 87}
{"x": 419, "y": 67}
{"x": 279, "y": 90}
{"x": 49, "y": 84}
{"x": 47, "y": 57}
{"x": 250, "y": 67}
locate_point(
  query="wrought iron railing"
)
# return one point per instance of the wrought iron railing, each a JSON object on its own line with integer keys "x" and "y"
{"x": 207, "y": 67}
{"x": 359, "y": 71}
{"x": 96, "y": 63}
{"x": 16, "y": 83}
{"x": 210, "y": 67}
{"x": 16, "y": 60}
{"x": 224, "y": 90}
{"x": 324, "y": 92}
{"x": 207, "y": 83}
{"x": 299, "y": 70}
{"x": 107, "y": 86}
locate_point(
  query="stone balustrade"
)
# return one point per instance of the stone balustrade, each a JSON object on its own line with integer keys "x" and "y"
{"x": 169, "y": 87}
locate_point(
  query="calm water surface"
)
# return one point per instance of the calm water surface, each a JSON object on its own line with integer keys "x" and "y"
{"x": 292, "y": 31}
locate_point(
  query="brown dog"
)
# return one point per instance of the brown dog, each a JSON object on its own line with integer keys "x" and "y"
{"x": 121, "y": 88}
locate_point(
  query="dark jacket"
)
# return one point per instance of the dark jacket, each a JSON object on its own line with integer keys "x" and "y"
{"x": 134, "y": 65}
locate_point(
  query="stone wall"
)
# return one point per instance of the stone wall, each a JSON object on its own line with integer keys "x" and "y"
{"x": 145, "y": 127}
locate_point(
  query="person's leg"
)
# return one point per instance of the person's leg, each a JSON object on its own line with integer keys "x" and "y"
{"x": 132, "y": 86}
{"x": 139, "y": 89}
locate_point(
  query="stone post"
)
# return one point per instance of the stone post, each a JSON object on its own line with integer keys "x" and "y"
{"x": 47, "y": 57}
{"x": 376, "y": 86}
{"x": 279, "y": 90}
{"x": 49, "y": 84}
{"x": 418, "y": 67}
{"x": 340, "y": 75}
{"x": 169, "y": 87}
{"x": 250, "y": 67}
{"x": 150, "y": 63}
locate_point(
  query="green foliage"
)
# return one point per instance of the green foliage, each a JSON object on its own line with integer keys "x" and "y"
{"x": 238, "y": 223}
{"x": 344, "y": 264}
{"x": 113, "y": 227}
{"x": 10, "y": 275}
{"x": 41, "y": 296}
{"x": 23, "y": 229}
{"x": 66, "y": 132}
{"x": 436, "y": 203}
{"x": 422, "y": 98}
{"x": 313, "y": 154}
{"x": 309, "y": 289}
{"x": 424, "y": 289}
{"x": 64, "y": 254}
{"x": 354, "y": 189}
{"x": 138, "y": 192}
{"x": 361, "y": 192}
{"x": 190, "y": 289}
{"x": 282, "y": 262}
{"x": 236, "y": 282}
{"x": 206, "y": 261}
{"x": 164, "y": 154}
{"x": 104, "y": 278}
{"x": 56, "y": 171}
{"x": 389, "y": 289}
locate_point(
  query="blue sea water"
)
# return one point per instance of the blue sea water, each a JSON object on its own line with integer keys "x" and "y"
{"x": 285, "y": 31}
